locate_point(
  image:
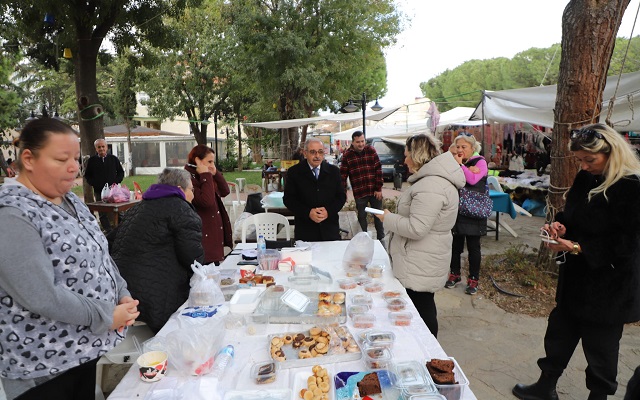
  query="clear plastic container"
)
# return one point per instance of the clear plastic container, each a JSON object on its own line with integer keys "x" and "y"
{"x": 363, "y": 321}
{"x": 347, "y": 283}
{"x": 295, "y": 300}
{"x": 256, "y": 324}
{"x": 396, "y": 304}
{"x": 377, "y": 357}
{"x": 264, "y": 372}
{"x": 410, "y": 374}
{"x": 400, "y": 318}
{"x": 454, "y": 391}
{"x": 308, "y": 283}
{"x": 364, "y": 298}
{"x": 391, "y": 294}
{"x": 363, "y": 280}
{"x": 357, "y": 309}
{"x": 375, "y": 338}
{"x": 302, "y": 270}
{"x": 233, "y": 321}
{"x": 375, "y": 271}
{"x": 374, "y": 287}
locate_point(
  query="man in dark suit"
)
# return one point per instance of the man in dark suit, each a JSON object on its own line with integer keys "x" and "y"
{"x": 315, "y": 194}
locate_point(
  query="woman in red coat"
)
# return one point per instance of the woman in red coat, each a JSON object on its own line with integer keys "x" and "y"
{"x": 209, "y": 187}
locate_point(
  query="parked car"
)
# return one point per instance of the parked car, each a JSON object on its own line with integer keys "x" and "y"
{"x": 391, "y": 154}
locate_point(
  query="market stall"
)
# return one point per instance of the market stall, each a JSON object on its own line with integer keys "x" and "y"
{"x": 254, "y": 337}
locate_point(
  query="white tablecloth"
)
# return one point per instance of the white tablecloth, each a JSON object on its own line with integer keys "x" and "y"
{"x": 412, "y": 343}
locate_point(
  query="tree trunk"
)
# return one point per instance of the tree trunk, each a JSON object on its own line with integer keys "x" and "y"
{"x": 589, "y": 31}
{"x": 239, "y": 144}
{"x": 89, "y": 109}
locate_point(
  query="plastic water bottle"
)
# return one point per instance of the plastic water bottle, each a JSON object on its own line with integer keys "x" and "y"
{"x": 262, "y": 244}
{"x": 222, "y": 361}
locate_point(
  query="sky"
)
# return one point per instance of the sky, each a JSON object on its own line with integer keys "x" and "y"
{"x": 445, "y": 33}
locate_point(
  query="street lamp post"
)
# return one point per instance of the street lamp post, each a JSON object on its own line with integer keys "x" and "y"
{"x": 363, "y": 105}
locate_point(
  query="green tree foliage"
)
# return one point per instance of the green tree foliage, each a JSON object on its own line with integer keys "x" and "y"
{"x": 9, "y": 103}
{"x": 43, "y": 29}
{"x": 463, "y": 85}
{"x": 191, "y": 76}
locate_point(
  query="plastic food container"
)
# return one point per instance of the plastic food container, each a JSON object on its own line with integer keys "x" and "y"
{"x": 363, "y": 321}
{"x": 304, "y": 283}
{"x": 362, "y": 299}
{"x": 302, "y": 270}
{"x": 396, "y": 304}
{"x": 456, "y": 391}
{"x": 295, "y": 300}
{"x": 268, "y": 260}
{"x": 391, "y": 293}
{"x": 376, "y": 338}
{"x": 411, "y": 374}
{"x": 375, "y": 271}
{"x": 400, "y": 318}
{"x": 358, "y": 309}
{"x": 347, "y": 283}
{"x": 264, "y": 372}
{"x": 256, "y": 324}
{"x": 374, "y": 287}
{"x": 363, "y": 280}
{"x": 377, "y": 357}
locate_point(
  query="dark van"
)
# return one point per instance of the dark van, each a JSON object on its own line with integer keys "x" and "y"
{"x": 391, "y": 154}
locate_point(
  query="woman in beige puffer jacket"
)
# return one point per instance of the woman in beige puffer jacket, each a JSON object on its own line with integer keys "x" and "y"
{"x": 420, "y": 244}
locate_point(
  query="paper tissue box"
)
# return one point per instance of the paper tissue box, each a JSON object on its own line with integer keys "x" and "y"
{"x": 298, "y": 255}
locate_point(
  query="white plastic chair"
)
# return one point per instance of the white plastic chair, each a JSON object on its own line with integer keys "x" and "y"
{"x": 266, "y": 225}
{"x": 232, "y": 203}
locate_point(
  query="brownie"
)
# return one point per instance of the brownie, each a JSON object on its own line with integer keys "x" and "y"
{"x": 369, "y": 384}
{"x": 441, "y": 365}
{"x": 441, "y": 377}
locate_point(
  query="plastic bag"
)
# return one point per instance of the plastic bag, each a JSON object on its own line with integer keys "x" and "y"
{"x": 118, "y": 194}
{"x": 105, "y": 192}
{"x": 204, "y": 291}
{"x": 237, "y": 228}
{"x": 137, "y": 191}
{"x": 358, "y": 255}
{"x": 193, "y": 346}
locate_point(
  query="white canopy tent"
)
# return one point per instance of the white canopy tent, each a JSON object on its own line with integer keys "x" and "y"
{"x": 535, "y": 105}
{"x": 349, "y": 117}
{"x": 457, "y": 116}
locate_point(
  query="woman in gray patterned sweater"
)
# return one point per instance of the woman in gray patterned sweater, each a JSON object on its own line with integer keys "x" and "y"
{"x": 63, "y": 303}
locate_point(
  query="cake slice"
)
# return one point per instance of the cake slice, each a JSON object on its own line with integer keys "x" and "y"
{"x": 441, "y": 365}
{"x": 369, "y": 385}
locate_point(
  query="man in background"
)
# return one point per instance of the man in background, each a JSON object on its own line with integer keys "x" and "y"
{"x": 103, "y": 168}
{"x": 360, "y": 163}
{"x": 315, "y": 194}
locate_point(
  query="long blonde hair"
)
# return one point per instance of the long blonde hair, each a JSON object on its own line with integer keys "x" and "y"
{"x": 600, "y": 138}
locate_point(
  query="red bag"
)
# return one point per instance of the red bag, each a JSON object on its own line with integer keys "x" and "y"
{"x": 137, "y": 191}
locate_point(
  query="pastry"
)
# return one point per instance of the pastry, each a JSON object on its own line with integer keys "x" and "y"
{"x": 369, "y": 385}
{"x": 299, "y": 337}
{"x": 441, "y": 371}
{"x": 296, "y": 344}
{"x": 267, "y": 279}
{"x": 315, "y": 331}
{"x": 288, "y": 339}
{"x": 441, "y": 365}
{"x": 324, "y": 296}
{"x": 338, "y": 298}
{"x": 308, "y": 341}
{"x": 304, "y": 353}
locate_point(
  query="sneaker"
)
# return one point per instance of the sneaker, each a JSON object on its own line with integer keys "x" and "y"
{"x": 452, "y": 281}
{"x": 472, "y": 286}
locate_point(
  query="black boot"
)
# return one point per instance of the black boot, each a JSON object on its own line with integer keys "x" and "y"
{"x": 596, "y": 396}
{"x": 544, "y": 389}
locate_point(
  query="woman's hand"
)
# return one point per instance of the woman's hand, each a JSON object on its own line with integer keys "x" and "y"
{"x": 474, "y": 169}
{"x": 563, "y": 245}
{"x": 458, "y": 157}
{"x": 381, "y": 216}
{"x": 556, "y": 230}
{"x": 201, "y": 167}
{"x": 125, "y": 313}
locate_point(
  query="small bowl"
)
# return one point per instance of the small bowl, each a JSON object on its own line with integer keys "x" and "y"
{"x": 401, "y": 318}
{"x": 347, "y": 283}
{"x": 363, "y": 321}
{"x": 264, "y": 372}
{"x": 374, "y": 287}
{"x": 152, "y": 365}
{"x": 375, "y": 271}
{"x": 396, "y": 304}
